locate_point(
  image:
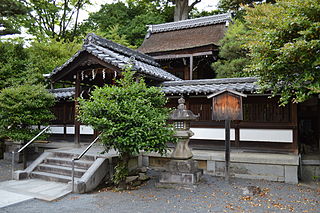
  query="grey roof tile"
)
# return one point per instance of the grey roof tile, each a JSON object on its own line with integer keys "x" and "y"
{"x": 63, "y": 93}
{"x": 190, "y": 23}
{"x": 206, "y": 86}
{"x": 120, "y": 56}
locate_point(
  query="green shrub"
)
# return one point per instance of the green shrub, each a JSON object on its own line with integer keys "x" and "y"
{"x": 131, "y": 117}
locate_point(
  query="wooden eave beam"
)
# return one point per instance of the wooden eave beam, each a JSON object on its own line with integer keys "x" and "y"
{"x": 173, "y": 56}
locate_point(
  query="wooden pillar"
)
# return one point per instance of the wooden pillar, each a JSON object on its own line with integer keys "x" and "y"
{"x": 227, "y": 146}
{"x": 294, "y": 120}
{"x": 64, "y": 120}
{"x": 76, "y": 122}
{"x": 191, "y": 67}
{"x": 237, "y": 134}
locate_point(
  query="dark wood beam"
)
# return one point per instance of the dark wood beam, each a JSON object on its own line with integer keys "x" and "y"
{"x": 76, "y": 103}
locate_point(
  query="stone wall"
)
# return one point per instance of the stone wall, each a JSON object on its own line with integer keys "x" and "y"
{"x": 264, "y": 166}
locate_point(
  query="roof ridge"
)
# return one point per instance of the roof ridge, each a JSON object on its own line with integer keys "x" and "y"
{"x": 99, "y": 41}
{"x": 213, "y": 81}
{"x": 189, "y": 23}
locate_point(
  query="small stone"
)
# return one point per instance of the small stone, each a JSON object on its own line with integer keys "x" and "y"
{"x": 143, "y": 177}
{"x": 143, "y": 169}
{"x": 136, "y": 183}
{"x": 130, "y": 179}
{"x": 251, "y": 190}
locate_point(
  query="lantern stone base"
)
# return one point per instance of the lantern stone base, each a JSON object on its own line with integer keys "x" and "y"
{"x": 181, "y": 172}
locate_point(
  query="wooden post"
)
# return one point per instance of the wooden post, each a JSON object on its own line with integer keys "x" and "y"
{"x": 227, "y": 147}
{"x": 76, "y": 122}
{"x": 191, "y": 67}
{"x": 294, "y": 120}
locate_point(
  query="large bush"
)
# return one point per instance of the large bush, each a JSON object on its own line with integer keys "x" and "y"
{"x": 131, "y": 117}
{"x": 22, "y": 107}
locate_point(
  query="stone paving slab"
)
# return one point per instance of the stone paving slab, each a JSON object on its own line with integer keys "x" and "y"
{"x": 9, "y": 198}
{"x": 35, "y": 188}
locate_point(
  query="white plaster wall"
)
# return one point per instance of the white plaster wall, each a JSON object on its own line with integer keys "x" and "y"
{"x": 56, "y": 129}
{"x": 211, "y": 133}
{"x": 267, "y": 135}
{"x": 87, "y": 130}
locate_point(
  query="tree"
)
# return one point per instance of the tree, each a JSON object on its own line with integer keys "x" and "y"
{"x": 233, "y": 55}
{"x": 13, "y": 62}
{"x": 20, "y": 65}
{"x": 132, "y": 18}
{"x": 21, "y": 107}
{"x": 238, "y": 6}
{"x": 56, "y": 19}
{"x": 10, "y": 11}
{"x": 131, "y": 117}
{"x": 182, "y": 8}
{"x": 284, "y": 44}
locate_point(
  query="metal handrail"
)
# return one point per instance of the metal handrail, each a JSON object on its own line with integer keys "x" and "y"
{"x": 25, "y": 146}
{"x": 79, "y": 157}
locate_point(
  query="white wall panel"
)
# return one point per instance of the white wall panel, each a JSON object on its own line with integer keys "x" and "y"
{"x": 267, "y": 135}
{"x": 86, "y": 130}
{"x": 211, "y": 133}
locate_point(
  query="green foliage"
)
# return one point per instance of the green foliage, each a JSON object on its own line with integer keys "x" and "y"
{"x": 114, "y": 35}
{"x": 45, "y": 55}
{"x": 56, "y": 19}
{"x": 21, "y": 107}
{"x": 130, "y": 116}
{"x": 19, "y": 65}
{"x": 10, "y": 12}
{"x": 13, "y": 62}
{"x": 130, "y": 16}
{"x": 233, "y": 54}
{"x": 284, "y": 47}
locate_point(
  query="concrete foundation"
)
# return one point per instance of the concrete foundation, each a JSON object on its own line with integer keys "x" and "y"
{"x": 181, "y": 172}
{"x": 264, "y": 166}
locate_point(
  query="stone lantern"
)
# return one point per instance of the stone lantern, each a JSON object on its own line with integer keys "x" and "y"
{"x": 181, "y": 169}
{"x": 182, "y": 118}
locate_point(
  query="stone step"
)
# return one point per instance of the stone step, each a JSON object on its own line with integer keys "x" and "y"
{"x": 51, "y": 177}
{"x": 81, "y": 164}
{"x": 61, "y": 170}
{"x": 69, "y": 155}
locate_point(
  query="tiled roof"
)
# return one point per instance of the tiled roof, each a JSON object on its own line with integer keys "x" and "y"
{"x": 189, "y": 87}
{"x": 63, "y": 93}
{"x": 119, "y": 56}
{"x": 190, "y": 23}
{"x": 187, "y": 34}
{"x": 207, "y": 86}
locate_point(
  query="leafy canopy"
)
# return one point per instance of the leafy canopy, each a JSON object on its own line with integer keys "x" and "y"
{"x": 21, "y": 107}
{"x": 233, "y": 55}
{"x": 130, "y": 116}
{"x": 130, "y": 17}
{"x": 284, "y": 45}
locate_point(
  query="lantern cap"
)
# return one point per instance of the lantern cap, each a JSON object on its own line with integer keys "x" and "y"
{"x": 181, "y": 113}
{"x": 227, "y": 90}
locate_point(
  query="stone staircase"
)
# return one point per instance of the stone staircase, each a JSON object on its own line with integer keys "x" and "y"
{"x": 56, "y": 166}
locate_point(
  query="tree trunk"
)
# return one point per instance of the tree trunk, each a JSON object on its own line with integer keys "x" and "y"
{"x": 181, "y": 10}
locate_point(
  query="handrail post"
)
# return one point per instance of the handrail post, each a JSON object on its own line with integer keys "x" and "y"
{"x": 72, "y": 175}
{"x": 12, "y": 164}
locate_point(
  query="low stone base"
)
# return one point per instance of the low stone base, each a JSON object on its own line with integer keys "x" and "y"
{"x": 181, "y": 172}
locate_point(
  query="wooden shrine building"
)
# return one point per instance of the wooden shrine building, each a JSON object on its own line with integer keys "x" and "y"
{"x": 177, "y": 57}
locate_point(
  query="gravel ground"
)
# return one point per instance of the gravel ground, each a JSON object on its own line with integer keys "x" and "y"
{"x": 211, "y": 195}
